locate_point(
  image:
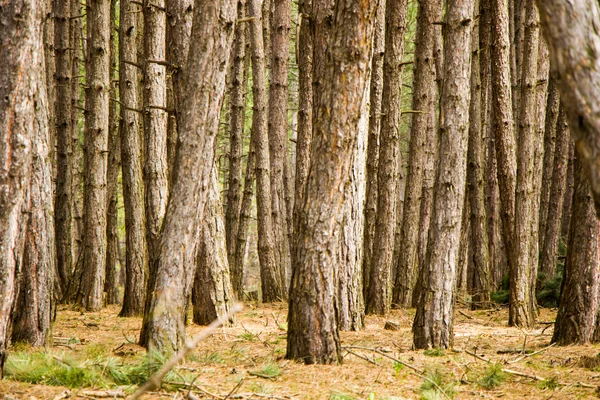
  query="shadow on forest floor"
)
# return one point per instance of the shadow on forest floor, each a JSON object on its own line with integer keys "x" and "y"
{"x": 247, "y": 361}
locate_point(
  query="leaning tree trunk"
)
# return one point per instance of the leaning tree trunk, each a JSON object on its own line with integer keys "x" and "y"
{"x": 111, "y": 283}
{"x": 95, "y": 158}
{"x": 423, "y": 95}
{"x": 379, "y": 294}
{"x": 375, "y": 98}
{"x": 136, "y": 258}
{"x": 556, "y": 196}
{"x": 576, "y": 318}
{"x": 210, "y": 45}
{"x": 64, "y": 161}
{"x": 569, "y": 28}
{"x": 32, "y": 312}
{"x": 480, "y": 278}
{"x": 521, "y": 311}
{"x": 433, "y": 321}
{"x": 313, "y": 335}
{"x": 278, "y": 133}
{"x": 212, "y": 293}
{"x": 21, "y": 63}
{"x": 273, "y": 288}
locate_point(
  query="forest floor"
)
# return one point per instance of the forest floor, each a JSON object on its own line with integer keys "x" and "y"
{"x": 246, "y": 361}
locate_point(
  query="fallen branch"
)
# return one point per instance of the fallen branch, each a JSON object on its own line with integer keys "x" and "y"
{"x": 530, "y": 354}
{"x": 156, "y": 379}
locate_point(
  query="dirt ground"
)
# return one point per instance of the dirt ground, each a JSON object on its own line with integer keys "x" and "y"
{"x": 226, "y": 365}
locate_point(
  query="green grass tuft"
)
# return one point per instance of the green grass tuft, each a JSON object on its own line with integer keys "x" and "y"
{"x": 434, "y": 352}
{"x": 493, "y": 377}
{"x": 436, "y": 385}
{"x": 550, "y": 384}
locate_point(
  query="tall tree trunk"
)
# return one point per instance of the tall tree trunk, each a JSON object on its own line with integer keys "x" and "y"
{"x": 32, "y": 312}
{"x": 379, "y": 292}
{"x": 64, "y": 160}
{"x": 111, "y": 284}
{"x": 91, "y": 287}
{"x": 375, "y": 98}
{"x": 136, "y": 257}
{"x": 480, "y": 277}
{"x": 237, "y": 104}
{"x": 273, "y": 288}
{"x": 576, "y": 319}
{"x": 210, "y": 46}
{"x": 278, "y": 133}
{"x": 423, "y": 95}
{"x": 433, "y": 321}
{"x": 21, "y": 64}
{"x": 521, "y": 312}
{"x": 313, "y": 335}
{"x": 212, "y": 293}
{"x": 50, "y": 72}
{"x": 155, "y": 124}
{"x": 569, "y": 189}
{"x": 556, "y": 197}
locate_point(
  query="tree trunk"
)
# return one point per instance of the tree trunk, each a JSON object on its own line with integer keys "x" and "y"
{"x": 210, "y": 46}
{"x": 313, "y": 335}
{"x": 155, "y": 124}
{"x": 64, "y": 161}
{"x": 576, "y": 319}
{"x": 111, "y": 284}
{"x": 278, "y": 133}
{"x": 21, "y": 63}
{"x": 379, "y": 293}
{"x": 556, "y": 197}
{"x": 480, "y": 281}
{"x": 50, "y": 73}
{"x": 423, "y": 95}
{"x": 136, "y": 257}
{"x": 273, "y": 288}
{"x": 574, "y": 43}
{"x": 237, "y": 104}
{"x": 375, "y": 98}
{"x": 433, "y": 321}
{"x": 569, "y": 189}
{"x": 91, "y": 287}
{"x": 212, "y": 294}
{"x": 521, "y": 312}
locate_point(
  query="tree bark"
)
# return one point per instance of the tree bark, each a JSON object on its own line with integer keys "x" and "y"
{"x": 21, "y": 62}
{"x": 136, "y": 256}
{"x": 569, "y": 189}
{"x": 91, "y": 287}
{"x": 433, "y": 325}
{"x": 577, "y": 313}
{"x": 556, "y": 197}
{"x": 210, "y": 45}
{"x": 375, "y": 99}
{"x": 313, "y": 335}
{"x": 273, "y": 288}
{"x": 423, "y": 96}
{"x": 379, "y": 292}
{"x": 574, "y": 43}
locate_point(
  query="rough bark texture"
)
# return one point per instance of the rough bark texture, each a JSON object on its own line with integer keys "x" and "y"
{"x": 433, "y": 321}
{"x": 111, "y": 283}
{"x": 64, "y": 166}
{"x": 95, "y": 156}
{"x": 569, "y": 189}
{"x": 379, "y": 294}
{"x": 423, "y": 95}
{"x": 273, "y": 288}
{"x": 237, "y": 106}
{"x": 576, "y": 319}
{"x": 521, "y": 309}
{"x": 21, "y": 61}
{"x": 480, "y": 279}
{"x": 278, "y": 133}
{"x": 574, "y": 42}
{"x": 375, "y": 99}
{"x": 136, "y": 258}
{"x": 212, "y": 294}
{"x": 210, "y": 45}
{"x": 155, "y": 124}
{"x": 556, "y": 197}
{"x": 313, "y": 335}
